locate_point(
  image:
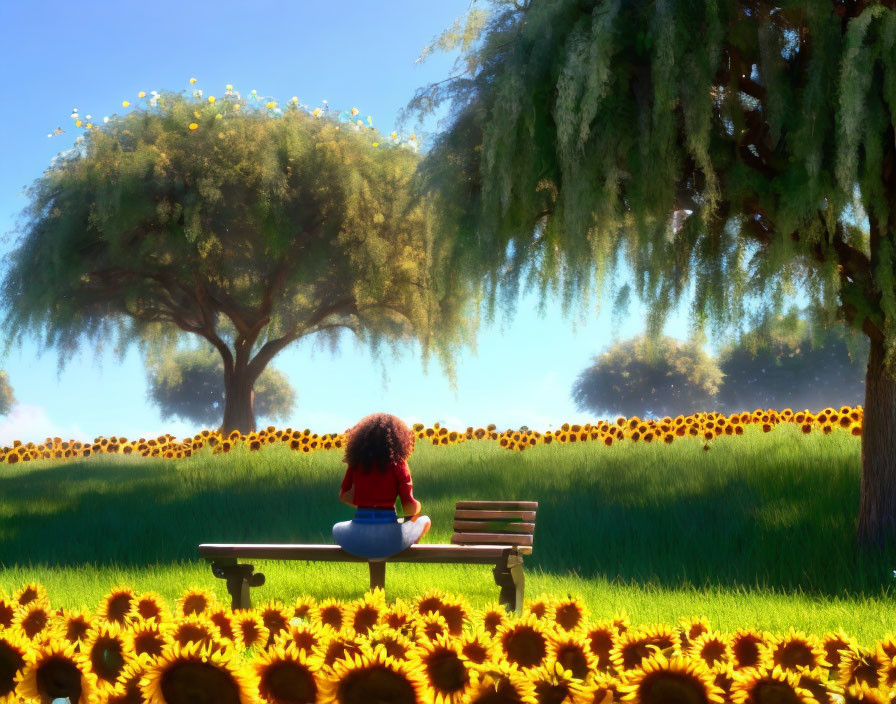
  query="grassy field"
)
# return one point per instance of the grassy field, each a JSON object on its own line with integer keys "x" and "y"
{"x": 758, "y": 531}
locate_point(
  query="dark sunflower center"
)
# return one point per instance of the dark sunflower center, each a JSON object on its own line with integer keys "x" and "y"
{"x": 59, "y": 677}
{"x": 331, "y": 616}
{"x": 746, "y": 652}
{"x": 288, "y": 683}
{"x": 148, "y": 610}
{"x": 818, "y": 690}
{"x": 491, "y": 622}
{"x": 505, "y": 694}
{"x": 149, "y": 643}
{"x": 572, "y": 658}
{"x": 304, "y": 640}
{"x": 119, "y": 605}
{"x": 191, "y": 633}
{"x": 223, "y": 624}
{"x": 34, "y": 622}
{"x": 366, "y": 618}
{"x": 568, "y": 616}
{"x": 774, "y": 693}
{"x": 713, "y": 651}
{"x": 794, "y": 654}
{"x": 601, "y": 643}
{"x": 446, "y": 671}
{"x": 664, "y": 687}
{"x": 375, "y": 685}
{"x": 195, "y": 604}
{"x": 11, "y": 661}
{"x": 250, "y": 632}
{"x": 866, "y": 672}
{"x": 475, "y": 652}
{"x": 6, "y": 614}
{"x": 548, "y": 693}
{"x": 75, "y": 630}
{"x": 27, "y": 596}
{"x": 199, "y": 683}
{"x": 454, "y": 617}
{"x": 338, "y": 649}
{"x": 525, "y": 647}
{"x": 106, "y": 659}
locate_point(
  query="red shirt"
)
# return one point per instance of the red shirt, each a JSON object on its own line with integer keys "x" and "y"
{"x": 379, "y": 489}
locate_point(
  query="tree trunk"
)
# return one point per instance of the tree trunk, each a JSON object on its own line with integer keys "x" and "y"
{"x": 877, "y": 502}
{"x": 239, "y": 403}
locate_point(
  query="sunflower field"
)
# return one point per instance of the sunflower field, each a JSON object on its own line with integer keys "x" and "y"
{"x": 434, "y": 648}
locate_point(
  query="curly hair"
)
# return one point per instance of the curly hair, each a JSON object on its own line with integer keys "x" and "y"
{"x": 378, "y": 439}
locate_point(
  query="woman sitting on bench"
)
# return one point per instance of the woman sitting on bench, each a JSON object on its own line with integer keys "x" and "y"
{"x": 376, "y": 451}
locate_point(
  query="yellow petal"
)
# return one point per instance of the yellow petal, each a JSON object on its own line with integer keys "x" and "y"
{"x": 77, "y": 123}
{"x": 141, "y": 94}
{"x": 272, "y": 105}
{"x": 192, "y": 80}
{"x": 193, "y": 125}
{"x": 211, "y": 98}
{"x": 124, "y": 103}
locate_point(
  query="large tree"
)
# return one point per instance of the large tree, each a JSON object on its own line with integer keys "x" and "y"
{"x": 189, "y": 384}
{"x": 250, "y": 228}
{"x": 789, "y": 361}
{"x": 7, "y": 396}
{"x": 634, "y": 377}
{"x": 743, "y": 146}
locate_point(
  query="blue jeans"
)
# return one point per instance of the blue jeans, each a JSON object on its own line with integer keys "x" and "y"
{"x": 376, "y": 533}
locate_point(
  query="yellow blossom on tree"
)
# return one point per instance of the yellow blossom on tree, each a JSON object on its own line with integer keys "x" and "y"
{"x": 193, "y": 125}
{"x": 236, "y": 107}
{"x": 218, "y": 116}
{"x": 272, "y": 105}
{"x": 192, "y": 80}
{"x": 211, "y": 98}
{"x": 229, "y": 86}
{"x": 316, "y": 112}
{"x": 90, "y": 125}
{"x": 77, "y": 123}
{"x": 376, "y": 144}
{"x": 124, "y": 103}
{"x": 355, "y": 111}
{"x": 141, "y": 94}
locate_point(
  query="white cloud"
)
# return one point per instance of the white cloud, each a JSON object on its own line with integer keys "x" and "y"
{"x": 32, "y": 424}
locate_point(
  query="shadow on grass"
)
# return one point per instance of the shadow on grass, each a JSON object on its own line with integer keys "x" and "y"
{"x": 751, "y": 528}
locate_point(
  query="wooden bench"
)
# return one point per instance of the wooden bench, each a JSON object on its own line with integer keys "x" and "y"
{"x": 486, "y": 533}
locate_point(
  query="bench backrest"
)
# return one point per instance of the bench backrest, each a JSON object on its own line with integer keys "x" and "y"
{"x": 495, "y": 522}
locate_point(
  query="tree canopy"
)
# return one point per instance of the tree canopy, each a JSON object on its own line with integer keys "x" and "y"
{"x": 635, "y": 378}
{"x": 741, "y": 147}
{"x": 7, "y": 396}
{"x": 244, "y": 228}
{"x": 189, "y": 384}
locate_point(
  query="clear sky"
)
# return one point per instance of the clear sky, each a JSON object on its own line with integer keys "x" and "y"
{"x": 56, "y": 56}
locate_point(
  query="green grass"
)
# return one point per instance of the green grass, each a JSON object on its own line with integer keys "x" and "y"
{"x": 758, "y": 531}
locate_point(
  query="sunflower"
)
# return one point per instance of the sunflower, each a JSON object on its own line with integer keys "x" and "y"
{"x": 151, "y": 606}
{"x": 572, "y": 653}
{"x": 477, "y": 646}
{"x": 622, "y": 622}
{"x": 711, "y": 647}
{"x": 54, "y": 670}
{"x": 492, "y": 617}
{"x": 763, "y": 685}
{"x": 863, "y": 694}
{"x": 723, "y": 678}
{"x": 675, "y": 680}
{"x": 127, "y": 686}
{"x": 248, "y": 629}
{"x": 191, "y": 675}
{"x": 429, "y": 601}
{"x": 538, "y": 607}
{"x": 457, "y": 613}
{"x": 342, "y": 644}
{"x": 888, "y": 646}
{"x": 33, "y": 620}
{"x": 833, "y": 643}
{"x": 859, "y": 665}
{"x": 747, "y": 647}
{"x": 195, "y": 600}
{"x": 445, "y": 670}
{"x": 73, "y": 625}
{"x": 599, "y": 688}
{"x": 523, "y": 641}
{"x": 7, "y": 611}
{"x": 393, "y": 643}
{"x": 276, "y": 618}
{"x": 197, "y": 628}
{"x": 554, "y": 684}
{"x": 795, "y": 650}
{"x": 13, "y": 648}
{"x": 305, "y": 607}
{"x": 502, "y": 683}
{"x": 147, "y": 637}
{"x": 568, "y": 614}
{"x": 691, "y": 629}
{"x": 30, "y": 593}
{"x": 429, "y": 626}
{"x": 601, "y": 639}
{"x": 107, "y": 651}
{"x": 365, "y": 613}
{"x": 332, "y": 613}
{"x": 306, "y": 636}
{"x": 363, "y": 678}
{"x": 287, "y": 675}
{"x": 117, "y": 606}
{"x": 823, "y": 690}
{"x": 399, "y": 616}
{"x": 634, "y": 646}
{"x": 222, "y": 618}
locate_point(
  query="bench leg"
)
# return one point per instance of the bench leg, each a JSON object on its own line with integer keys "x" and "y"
{"x": 238, "y": 578}
{"x": 509, "y": 577}
{"x": 377, "y": 575}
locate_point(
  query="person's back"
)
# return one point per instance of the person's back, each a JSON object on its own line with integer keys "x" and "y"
{"x": 376, "y": 451}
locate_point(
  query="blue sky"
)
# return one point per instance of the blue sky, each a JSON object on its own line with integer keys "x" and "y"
{"x": 57, "y": 56}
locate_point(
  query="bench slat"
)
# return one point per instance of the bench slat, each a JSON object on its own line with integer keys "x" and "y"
{"x": 528, "y": 516}
{"x": 505, "y": 538}
{"x": 498, "y": 505}
{"x": 428, "y": 552}
{"x": 493, "y": 527}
